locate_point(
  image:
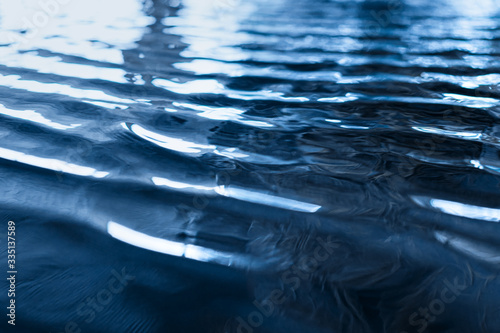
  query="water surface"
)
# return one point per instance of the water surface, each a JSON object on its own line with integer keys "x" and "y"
{"x": 253, "y": 166}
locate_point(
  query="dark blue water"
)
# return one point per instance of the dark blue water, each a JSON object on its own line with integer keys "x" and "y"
{"x": 251, "y": 166}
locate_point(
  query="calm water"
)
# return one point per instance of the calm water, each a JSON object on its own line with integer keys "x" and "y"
{"x": 251, "y": 166}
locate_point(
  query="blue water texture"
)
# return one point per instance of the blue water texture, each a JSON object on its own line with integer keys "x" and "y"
{"x": 231, "y": 166}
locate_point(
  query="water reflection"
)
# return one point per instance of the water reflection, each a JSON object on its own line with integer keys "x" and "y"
{"x": 177, "y": 249}
{"x": 229, "y": 138}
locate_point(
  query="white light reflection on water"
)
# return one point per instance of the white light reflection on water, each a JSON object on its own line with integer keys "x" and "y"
{"x": 35, "y": 117}
{"x": 240, "y": 194}
{"x": 477, "y": 8}
{"x": 469, "y": 211}
{"x": 460, "y": 209}
{"x": 200, "y": 16}
{"x": 214, "y": 87}
{"x": 449, "y": 133}
{"x": 32, "y": 25}
{"x": 51, "y": 164}
{"x": 15, "y": 81}
{"x": 340, "y": 99}
{"x": 167, "y": 142}
{"x": 197, "y": 149}
{"x": 55, "y": 65}
{"x": 178, "y": 249}
{"x": 469, "y": 247}
{"x": 223, "y": 113}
